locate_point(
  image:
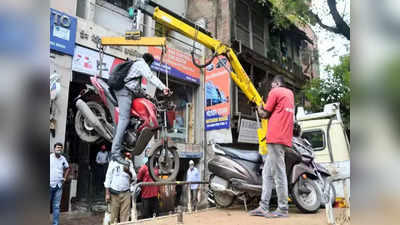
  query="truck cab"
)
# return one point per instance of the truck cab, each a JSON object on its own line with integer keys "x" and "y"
{"x": 326, "y": 133}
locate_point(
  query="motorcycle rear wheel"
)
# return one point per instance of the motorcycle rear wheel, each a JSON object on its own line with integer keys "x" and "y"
{"x": 170, "y": 168}
{"x": 82, "y": 127}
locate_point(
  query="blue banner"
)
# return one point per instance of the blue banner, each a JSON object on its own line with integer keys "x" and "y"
{"x": 62, "y": 32}
{"x": 156, "y": 66}
{"x": 215, "y": 121}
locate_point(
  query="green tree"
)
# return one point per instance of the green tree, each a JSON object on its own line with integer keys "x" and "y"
{"x": 334, "y": 88}
{"x": 301, "y": 11}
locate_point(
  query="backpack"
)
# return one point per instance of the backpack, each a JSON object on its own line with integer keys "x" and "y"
{"x": 118, "y": 74}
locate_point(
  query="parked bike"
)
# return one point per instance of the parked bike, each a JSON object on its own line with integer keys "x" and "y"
{"x": 237, "y": 173}
{"x": 98, "y": 119}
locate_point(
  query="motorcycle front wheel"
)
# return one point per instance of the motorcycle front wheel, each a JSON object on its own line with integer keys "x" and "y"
{"x": 166, "y": 162}
{"x": 308, "y": 197}
{"x": 223, "y": 200}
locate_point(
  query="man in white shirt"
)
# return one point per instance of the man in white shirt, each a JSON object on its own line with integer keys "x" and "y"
{"x": 101, "y": 165}
{"x": 139, "y": 69}
{"x": 58, "y": 164}
{"x": 102, "y": 156}
{"x": 118, "y": 181}
{"x": 194, "y": 176}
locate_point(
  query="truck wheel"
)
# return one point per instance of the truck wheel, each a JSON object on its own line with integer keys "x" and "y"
{"x": 304, "y": 201}
{"x": 223, "y": 200}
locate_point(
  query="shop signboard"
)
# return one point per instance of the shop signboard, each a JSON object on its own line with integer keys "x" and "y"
{"x": 179, "y": 64}
{"x": 88, "y": 61}
{"x": 217, "y": 110}
{"x": 62, "y": 32}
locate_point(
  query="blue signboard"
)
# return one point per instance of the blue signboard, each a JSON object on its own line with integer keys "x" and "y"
{"x": 190, "y": 155}
{"x": 62, "y": 32}
{"x": 157, "y": 66}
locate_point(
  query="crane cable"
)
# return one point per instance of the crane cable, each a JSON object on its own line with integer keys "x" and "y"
{"x": 163, "y": 51}
{"x": 101, "y": 55}
{"x": 193, "y": 48}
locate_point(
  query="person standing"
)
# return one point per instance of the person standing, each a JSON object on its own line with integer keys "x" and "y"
{"x": 193, "y": 175}
{"x": 140, "y": 68}
{"x": 149, "y": 193}
{"x": 59, "y": 170}
{"x": 117, "y": 184}
{"x": 101, "y": 165}
{"x": 279, "y": 108}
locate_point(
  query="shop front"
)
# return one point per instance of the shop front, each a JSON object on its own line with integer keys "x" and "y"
{"x": 185, "y": 86}
{"x": 62, "y": 44}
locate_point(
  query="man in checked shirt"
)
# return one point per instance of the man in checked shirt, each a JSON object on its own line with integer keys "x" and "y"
{"x": 139, "y": 69}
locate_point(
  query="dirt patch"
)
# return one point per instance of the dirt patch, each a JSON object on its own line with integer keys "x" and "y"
{"x": 81, "y": 218}
{"x": 237, "y": 216}
{"x": 231, "y": 216}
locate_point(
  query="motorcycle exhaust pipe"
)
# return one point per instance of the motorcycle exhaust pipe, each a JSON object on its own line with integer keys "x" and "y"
{"x": 92, "y": 119}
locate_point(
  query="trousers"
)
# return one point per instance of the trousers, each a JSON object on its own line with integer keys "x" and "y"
{"x": 124, "y": 98}
{"x": 55, "y": 200}
{"x": 120, "y": 207}
{"x": 274, "y": 172}
{"x": 193, "y": 197}
{"x": 150, "y": 206}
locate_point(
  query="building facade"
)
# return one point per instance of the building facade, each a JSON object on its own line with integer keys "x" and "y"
{"x": 262, "y": 49}
{"x": 74, "y": 66}
{"x": 246, "y": 26}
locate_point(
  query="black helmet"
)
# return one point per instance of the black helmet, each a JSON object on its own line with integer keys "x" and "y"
{"x": 148, "y": 58}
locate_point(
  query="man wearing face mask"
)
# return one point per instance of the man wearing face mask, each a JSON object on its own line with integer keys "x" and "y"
{"x": 193, "y": 175}
{"x": 59, "y": 170}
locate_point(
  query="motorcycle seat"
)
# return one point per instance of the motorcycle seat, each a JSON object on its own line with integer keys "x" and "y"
{"x": 108, "y": 92}
{"x": 248, "y": 155}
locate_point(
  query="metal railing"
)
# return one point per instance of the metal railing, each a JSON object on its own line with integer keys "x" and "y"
{"x": 328, "y": 205}
{"x": 134, "y": 217}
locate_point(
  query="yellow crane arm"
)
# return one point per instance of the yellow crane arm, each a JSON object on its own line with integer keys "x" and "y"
{"x": 238, "y": 74}
{"x": 186, "y": 28}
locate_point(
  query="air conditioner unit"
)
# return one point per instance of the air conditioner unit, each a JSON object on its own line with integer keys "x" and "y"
{"x": 237, "y": 46}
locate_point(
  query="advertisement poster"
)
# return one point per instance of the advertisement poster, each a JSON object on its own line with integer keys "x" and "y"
{"x": 86, "y": 61}
{"x": 248, "y": 131}
{"x": 217, "y": 111}
{"x": 62, "y": 32}
{"x": 179, "y": 64}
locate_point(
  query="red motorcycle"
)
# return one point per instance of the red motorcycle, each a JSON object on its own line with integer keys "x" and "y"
{"x": 97, "y": 119}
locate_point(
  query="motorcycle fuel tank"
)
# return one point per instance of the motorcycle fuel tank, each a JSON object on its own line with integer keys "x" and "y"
{"x": 145, "y": 110}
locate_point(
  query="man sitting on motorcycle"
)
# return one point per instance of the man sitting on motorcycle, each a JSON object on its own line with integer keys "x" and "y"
{"x": 140, "y": 68}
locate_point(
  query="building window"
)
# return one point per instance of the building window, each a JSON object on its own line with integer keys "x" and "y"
{"x": 242, "y": 12}
{"x": 124, "y": 4}
{"x": 258, "y": 24}
{"x": 316, "y": 138}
